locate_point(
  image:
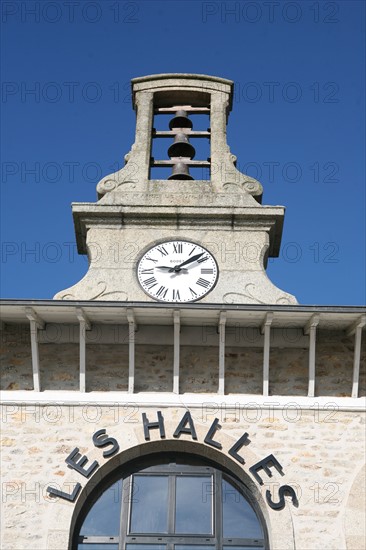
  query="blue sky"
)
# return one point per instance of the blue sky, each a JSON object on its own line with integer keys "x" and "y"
{"x": 297, "y": 124}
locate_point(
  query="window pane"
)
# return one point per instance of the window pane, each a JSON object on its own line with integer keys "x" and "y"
{"x": 149, "y": 504}
{"x": 193, "y": 547}
{"x": 243, "y": 547}
{"x": 239, "y": 518}
{"x": 145, "y": 547}
{"x": 193, "y": 505}
{"x": 98, "y": 546}
{"x": 104, "y": 517}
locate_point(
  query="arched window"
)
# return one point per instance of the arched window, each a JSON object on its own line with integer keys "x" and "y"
{"x": 171, "y": 504}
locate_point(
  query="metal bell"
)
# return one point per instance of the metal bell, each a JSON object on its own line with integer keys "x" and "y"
{"x": 180, "y": 120}
{"x": 180, "y": 172}
{"x": 181, "y": 147}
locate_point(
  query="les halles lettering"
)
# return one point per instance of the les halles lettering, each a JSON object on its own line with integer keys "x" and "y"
{"x": 186, "y": 426}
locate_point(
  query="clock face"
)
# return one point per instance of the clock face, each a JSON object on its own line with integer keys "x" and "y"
{"x": 177, "y": 271}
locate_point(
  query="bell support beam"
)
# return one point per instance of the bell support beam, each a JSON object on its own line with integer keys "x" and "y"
{"x": 356, "y": 329}
{"x": 132, "y": 327}
{"x": 176, "y": 360}
{"x": 174, "y": 160}
{"x": 187, "y": 131}
{"x": 266, "y": 330}
{"x": 84, "y": 325}
{"x": 222, "y": 327}
{"x": 188, "y": 108}
{"x": 310, "y": 329}
{"x": 36, "y": 323}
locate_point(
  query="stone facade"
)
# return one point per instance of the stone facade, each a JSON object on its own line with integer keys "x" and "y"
{"x": 107, "y": 366}
{"x": 319, "y": 443}
{"x": 245, "y": 360}
{"x": 135, "y": 212}
{"x": 310, "y": 445}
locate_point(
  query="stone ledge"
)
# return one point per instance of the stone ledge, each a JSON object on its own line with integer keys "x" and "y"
{"x": 197, "y": 400}
{"x": 266, "y": 218}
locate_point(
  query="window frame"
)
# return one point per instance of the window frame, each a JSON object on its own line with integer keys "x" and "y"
{"x": 172, "y": 465}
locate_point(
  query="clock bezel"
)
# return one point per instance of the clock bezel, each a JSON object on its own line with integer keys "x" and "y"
{"x": 170, "y": 240}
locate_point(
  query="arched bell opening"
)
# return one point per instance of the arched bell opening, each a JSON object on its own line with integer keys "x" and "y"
{"x": 172, "y": 96}
{"x": 181, "y": 130}
{"x": 170, "y": 495}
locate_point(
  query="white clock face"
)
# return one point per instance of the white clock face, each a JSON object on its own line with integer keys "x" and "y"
{"x": 177, "y": 271}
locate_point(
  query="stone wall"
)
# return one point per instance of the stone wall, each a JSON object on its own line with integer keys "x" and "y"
{"x": 107, "y": 366}
{"x": 320, "y": 449}
{"x": 321, "y": 452}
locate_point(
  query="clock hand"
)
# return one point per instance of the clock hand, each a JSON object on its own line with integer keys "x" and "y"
{"x": 167, "y": 267}
{"x": 190, "y": 260}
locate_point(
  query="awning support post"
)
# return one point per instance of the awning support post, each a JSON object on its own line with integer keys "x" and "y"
{"x": 176, "y": 360}
{"x": 131, "y": 349}
{"x": 310, "y": 328}
{"x": 36, "y": 324}
{"x": 84, "y": 325}
{"x": 222, "y": 326}
{"x": 356, "y": 329}
{"x": 266, "y": 330}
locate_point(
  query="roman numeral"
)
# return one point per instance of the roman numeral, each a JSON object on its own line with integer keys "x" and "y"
{"x": 202, "y": 259}
{"x": 151, "y": 259}
{"x": 178, "y": 248}
{"x": 206, "y": 271}
{"x": 193, "y": 293}
{"x": 151, "y": 282}
{"x": 203, "y": 282}
{"x": 162, "y": 292}
{"x": 162, "y": 251}
{"x": 176, "y": 295}
{"x": 193, "y": 249}
{"x": 150, "y": 271}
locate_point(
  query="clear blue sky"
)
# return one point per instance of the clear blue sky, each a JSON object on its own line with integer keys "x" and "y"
{"x": 297, "y": 124}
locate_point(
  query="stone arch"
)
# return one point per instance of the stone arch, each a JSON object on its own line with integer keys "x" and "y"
{"x": 354, "y": 519}
{"x": 279, "y": 523}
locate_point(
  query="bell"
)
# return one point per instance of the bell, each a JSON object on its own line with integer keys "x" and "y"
{"x": 180, "y": 120}
{"x": 181, "y": 147}
{"x": 180, "y": 172}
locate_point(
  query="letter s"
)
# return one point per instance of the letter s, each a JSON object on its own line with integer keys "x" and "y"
{"x": 283, "y": 490}
{"x": 101, "y": 439}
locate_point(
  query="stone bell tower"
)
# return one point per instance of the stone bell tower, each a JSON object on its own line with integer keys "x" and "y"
{"x": 179, "y": 239}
